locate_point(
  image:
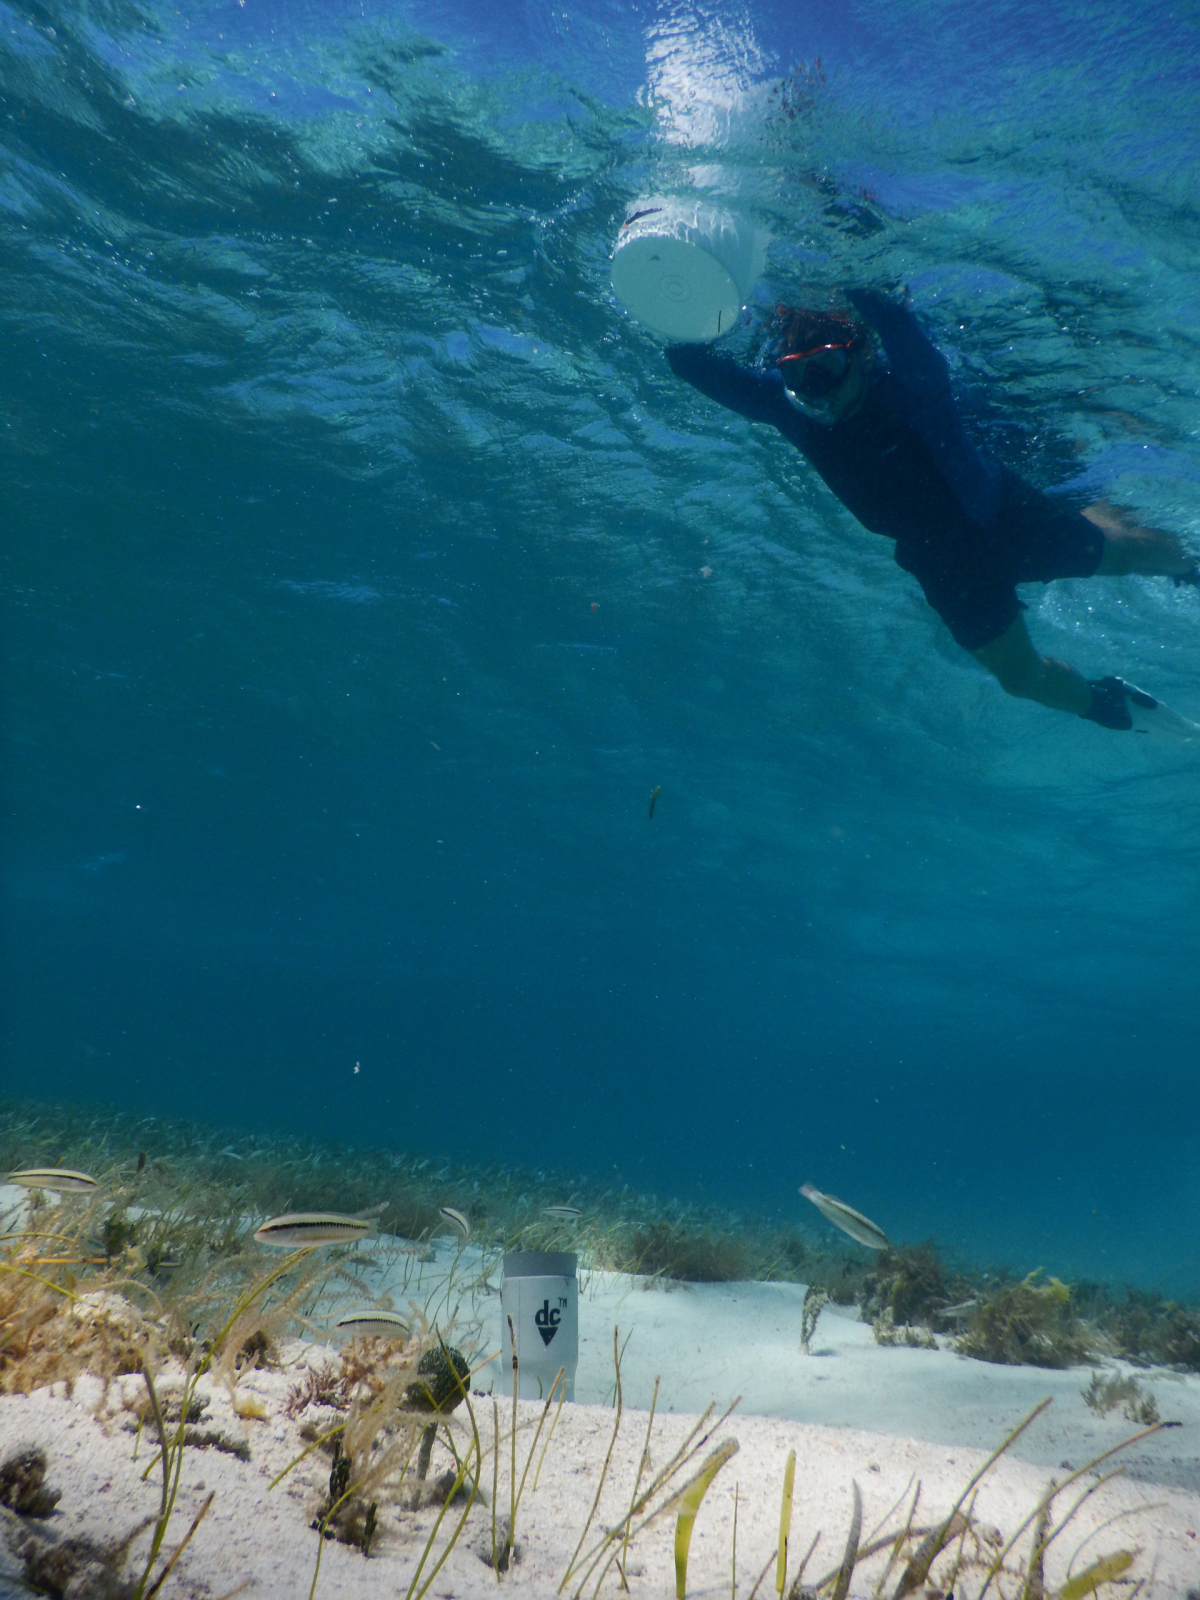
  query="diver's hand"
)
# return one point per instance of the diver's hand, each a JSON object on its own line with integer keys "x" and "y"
{"x": 1111, "y": 699}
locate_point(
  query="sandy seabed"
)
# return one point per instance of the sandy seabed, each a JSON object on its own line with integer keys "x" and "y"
{"x": 854, "y": 1412}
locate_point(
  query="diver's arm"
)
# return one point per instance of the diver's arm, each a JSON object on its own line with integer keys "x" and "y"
{"x": 756, "y": 395}
{"x": 922, "y": 372}
{"x": 914, "y": 358}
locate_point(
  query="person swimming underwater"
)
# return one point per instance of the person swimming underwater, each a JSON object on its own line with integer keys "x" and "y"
{"x": 866, "y": 398}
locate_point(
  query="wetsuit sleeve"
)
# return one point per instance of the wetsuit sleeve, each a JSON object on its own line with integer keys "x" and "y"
{"x": 921, "y": 370}
{"x": 756, "y": 395}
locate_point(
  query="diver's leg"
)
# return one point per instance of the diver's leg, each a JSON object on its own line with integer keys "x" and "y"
{"x": 1020, "y": 671}
{"x": 1129, "y": 547}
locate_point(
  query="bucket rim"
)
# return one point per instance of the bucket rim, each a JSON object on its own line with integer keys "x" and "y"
{"x": 540, "y": 1264}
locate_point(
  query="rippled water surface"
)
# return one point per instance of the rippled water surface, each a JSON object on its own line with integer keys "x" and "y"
{"x": 364, "y": 569}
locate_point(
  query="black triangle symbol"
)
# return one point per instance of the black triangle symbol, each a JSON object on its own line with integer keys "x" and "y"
{"x": 547, "y": 1334}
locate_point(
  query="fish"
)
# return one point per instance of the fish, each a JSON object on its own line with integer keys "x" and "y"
{"x": 847, "y": 1219}
{"x": 298, "y": 1229}
{"x": 647, "y": 211}
{"x": 562, "y": 1213}
{"x": 456, "y": 1220}
{"x": 375, "y": 1325}
{"x": 653, "y": 799}
{"x": 60, "y": 1179}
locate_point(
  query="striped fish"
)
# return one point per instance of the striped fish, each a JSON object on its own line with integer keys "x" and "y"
{"x": 375, "y": 1325}
{"x": 297, "y": 1229}
{"x": 456, "y": 1220}
{"x": 562, "y": 1213}
{"x": 847, "y": 1219}
{"x": 61, "y": 1179}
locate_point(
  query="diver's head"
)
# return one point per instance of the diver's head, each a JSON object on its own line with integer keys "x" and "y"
{"x": 824, "y": 359}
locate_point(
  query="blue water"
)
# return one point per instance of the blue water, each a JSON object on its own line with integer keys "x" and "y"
{"x": 353, "y": 606}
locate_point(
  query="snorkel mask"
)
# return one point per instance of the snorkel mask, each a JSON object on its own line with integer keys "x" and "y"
{"x": 813, "y": 378}
{"x": 815, "y": 353}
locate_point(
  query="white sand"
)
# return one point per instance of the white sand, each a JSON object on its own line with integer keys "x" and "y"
{"x": 933, "y": 1415}
{"x": 711, "y": 1343}
{"x": 715, "y": 1342}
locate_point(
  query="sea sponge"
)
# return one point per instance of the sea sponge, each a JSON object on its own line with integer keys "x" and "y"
{"x": 442, "y": 1377}
{"x": 23, "y": 1483}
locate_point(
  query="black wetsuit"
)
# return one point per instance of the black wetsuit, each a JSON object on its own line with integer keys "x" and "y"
{"x": 968, "y": 529}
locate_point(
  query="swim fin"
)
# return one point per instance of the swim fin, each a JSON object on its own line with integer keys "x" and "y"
{"x": 1121, "y": 705}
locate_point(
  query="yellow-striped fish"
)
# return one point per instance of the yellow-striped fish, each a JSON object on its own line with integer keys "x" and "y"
{"x": 456, "y": 1220}
{"x": 298, "y": 1229}
{"x": 375, "y": 1325}
{"x": 61, "y": 1179}
{"x": 847, "y": 1219}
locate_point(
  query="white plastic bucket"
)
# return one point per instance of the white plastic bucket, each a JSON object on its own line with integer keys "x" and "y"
{"x": 685, "y": 269}
{"x": 540, "y": 1292}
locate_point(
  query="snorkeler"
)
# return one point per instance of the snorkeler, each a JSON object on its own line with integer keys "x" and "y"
{"x": 866, "y": 398}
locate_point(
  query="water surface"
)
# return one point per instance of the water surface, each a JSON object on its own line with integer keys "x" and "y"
{"x": 355, "y": 601}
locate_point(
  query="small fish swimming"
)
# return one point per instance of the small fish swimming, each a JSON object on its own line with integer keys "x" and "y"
{"x": 456, "y": 1220}
{"x": 562, "y": 1213}
{"x": 647, "y": 211}
{"x": 297, "y": 1229}
{"x": 654, "y": 799}
{"x": 60, "y": 1179}
{"x": 847, "y": 1219}
{"x": 375, "y": 1325}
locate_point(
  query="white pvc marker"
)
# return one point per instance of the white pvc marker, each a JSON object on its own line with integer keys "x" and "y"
{"x": 685, "y": 269}
{"x": 539, "y": 1290}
